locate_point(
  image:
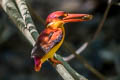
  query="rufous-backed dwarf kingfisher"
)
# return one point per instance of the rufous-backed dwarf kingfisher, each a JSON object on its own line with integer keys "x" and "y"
{"x": 51, "y": 38}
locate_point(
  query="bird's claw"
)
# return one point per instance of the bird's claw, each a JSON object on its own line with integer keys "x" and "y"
{"x": 54, "y": 61}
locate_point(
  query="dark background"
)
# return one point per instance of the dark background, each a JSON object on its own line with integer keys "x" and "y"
{"x": 103, "y": 53}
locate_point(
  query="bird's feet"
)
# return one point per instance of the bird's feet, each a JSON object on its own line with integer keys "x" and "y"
{"x": 54, "y": 61}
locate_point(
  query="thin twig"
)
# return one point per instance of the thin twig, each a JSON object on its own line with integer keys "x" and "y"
{"x": 10, "y": 8}
{"x": 100, "y": 26}
{"x": 78, "y": 51}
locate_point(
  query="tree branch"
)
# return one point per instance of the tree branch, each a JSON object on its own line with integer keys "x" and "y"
{"x": 100, "y": 26}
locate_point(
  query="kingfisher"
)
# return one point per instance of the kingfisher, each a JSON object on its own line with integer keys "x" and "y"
{"x": 52, "y": 37}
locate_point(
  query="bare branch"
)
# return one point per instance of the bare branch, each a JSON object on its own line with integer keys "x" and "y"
{"x": 78, "y": 51}
{"x": 103, "y": 20}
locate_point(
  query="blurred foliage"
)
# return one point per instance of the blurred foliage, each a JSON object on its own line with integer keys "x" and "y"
{"x": 103, "y": 53}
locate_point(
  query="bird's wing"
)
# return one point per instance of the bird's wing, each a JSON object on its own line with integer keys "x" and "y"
{"x": 47, "y": 40}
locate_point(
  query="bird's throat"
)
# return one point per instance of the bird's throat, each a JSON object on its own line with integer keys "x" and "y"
{"x": 55, "y": 24}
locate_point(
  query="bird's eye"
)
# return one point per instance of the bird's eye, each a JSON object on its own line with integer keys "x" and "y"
{"x": 61, "y": 17}
{"x": 66, "y": 14}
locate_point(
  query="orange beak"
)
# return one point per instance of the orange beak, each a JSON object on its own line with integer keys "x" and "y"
{"x": 77, "y": 17}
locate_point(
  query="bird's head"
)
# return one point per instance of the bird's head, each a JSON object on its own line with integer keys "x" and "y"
{"x": 60, "y": 17}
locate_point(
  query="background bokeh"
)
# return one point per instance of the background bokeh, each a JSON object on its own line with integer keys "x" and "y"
{"x": 103, "y": 53}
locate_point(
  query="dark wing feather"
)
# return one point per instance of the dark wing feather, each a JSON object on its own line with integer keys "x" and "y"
{"x": 47, "y": 40}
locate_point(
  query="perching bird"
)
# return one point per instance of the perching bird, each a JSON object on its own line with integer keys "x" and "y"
{"x": 52, "y": 37}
